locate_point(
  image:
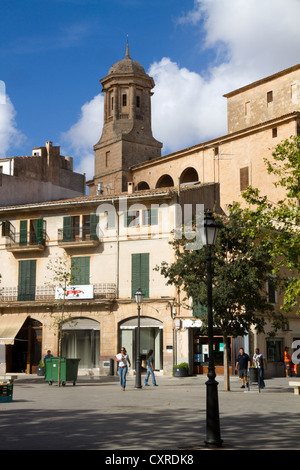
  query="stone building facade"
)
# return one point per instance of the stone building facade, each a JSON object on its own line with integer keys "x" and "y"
{"x": 113, "y": 262}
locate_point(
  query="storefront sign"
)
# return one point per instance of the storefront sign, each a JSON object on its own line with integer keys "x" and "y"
{"x": 75, "y": 292}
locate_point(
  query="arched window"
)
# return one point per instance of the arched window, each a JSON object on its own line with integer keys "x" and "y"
{"x": 142, "y": 186}
{"x": 189, "y": 175}
{"x": 165, "y": 181}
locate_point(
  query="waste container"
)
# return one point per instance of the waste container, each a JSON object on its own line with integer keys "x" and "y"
{"x": 253, "y": 375}
{"x": 68, "y": 370}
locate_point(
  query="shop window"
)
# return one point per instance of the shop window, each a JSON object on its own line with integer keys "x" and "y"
{"x": 275, "y": 350}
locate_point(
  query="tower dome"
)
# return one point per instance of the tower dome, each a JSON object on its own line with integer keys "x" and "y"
{"x": 127, "y": 65}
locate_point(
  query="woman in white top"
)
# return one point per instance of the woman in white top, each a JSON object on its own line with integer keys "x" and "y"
{"x": 123, "y": 359}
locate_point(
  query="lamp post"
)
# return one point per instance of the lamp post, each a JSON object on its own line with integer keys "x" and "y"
{"x": 139, "y": 300}
{"x": 213, "y": 435}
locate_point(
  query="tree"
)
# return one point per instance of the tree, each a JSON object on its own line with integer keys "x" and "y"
{"x": 279, "y": 222}
{"x": 63, "y": 278}
{"x": 240, "y": 269}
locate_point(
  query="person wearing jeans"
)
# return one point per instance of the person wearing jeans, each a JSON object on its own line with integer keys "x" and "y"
{"x": 123, "y": 359}
{"x": 150, "y": 369}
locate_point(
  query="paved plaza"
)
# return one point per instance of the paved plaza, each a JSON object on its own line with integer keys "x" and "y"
{"x": 96, "y": 415}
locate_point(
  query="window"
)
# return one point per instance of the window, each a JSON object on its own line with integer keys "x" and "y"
{"x": 199, "y": 310}
{"x": 270, "y": 97}
{"x": 107, "y": 158}
{"x": 80, "y": 270}
{"x": 150, "y": 217}
{"x": 131, "y": 219}
{"x": 32, "y": 232}
{"x": 27, "y": 280}
{"x": 274, "y": 132}
{"x": 275, "y": 350}
{"x": 138, "y": 101}
{"x": 140, "y": 273}
{"x": 72, "y": 230}
{"x": 124, "y": 99}
{"x": 247, "y": 108}
{"x": 244, "y": 178}
{"x": 271, "y": 290}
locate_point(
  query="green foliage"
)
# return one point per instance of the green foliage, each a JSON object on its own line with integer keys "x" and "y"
{"x": 240, "y": 269}
{"x": 279, "y": 222}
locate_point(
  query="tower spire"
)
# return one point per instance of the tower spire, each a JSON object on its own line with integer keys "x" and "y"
{"x": 127, "y": 49}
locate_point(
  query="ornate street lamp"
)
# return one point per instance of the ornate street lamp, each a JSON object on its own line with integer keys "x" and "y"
{"x": 213, "y": 435}
{"x": 139, "y": 300}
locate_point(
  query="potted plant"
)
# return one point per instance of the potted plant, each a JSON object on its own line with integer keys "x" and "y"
{"x": 41, "y": 369}
{"x": 181, "y": 370}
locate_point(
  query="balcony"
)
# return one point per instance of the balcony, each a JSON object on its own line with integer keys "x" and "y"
{"x": 26, "y": 241}
{"x": 47, "y": 293}
{"x": 76, "y": 237}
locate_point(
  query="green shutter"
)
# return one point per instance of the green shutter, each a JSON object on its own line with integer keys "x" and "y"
{"x": 140, "y": 273}
{"x": 153, "y": 216}
{"x": 40, "y": 231}
{"x": 23, "y": 232}
{"x": 80, "y": 270}
{"x": 27, "y": 280}
{"x": 94, "y": 220}
{"x": 145, "y": 274}
{"x": 199, "y": 310}
{"x": 67, "y": 229}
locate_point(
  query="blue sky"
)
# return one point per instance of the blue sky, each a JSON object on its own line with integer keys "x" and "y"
{"x": 54, "y": 52}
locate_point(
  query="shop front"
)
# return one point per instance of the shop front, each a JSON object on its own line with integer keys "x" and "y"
{"x": 151, "y": 337}
{"x": 200, "y": 352}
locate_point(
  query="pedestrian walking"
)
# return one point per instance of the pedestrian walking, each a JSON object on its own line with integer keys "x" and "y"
{"x": 287, "y": 361}
{"x": 260, "y": 363}
{"x": 242, "y": 363}
{"x": 150, "y": 369}
{"x": 123, "y": 361}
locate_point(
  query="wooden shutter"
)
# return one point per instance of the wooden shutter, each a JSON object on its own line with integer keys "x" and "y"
{"x": 94, "y": 219}
{"x": 140, "y": 273}
{"x": 40, "y": 231}
{"x": 23, "y": 232}
{"x": 244, "y": 178}
{"x": 153, "y": 216}
{"x": 27, "y": 280}
{"x": 67, "y": 228}
{"x": 80, "y": 270}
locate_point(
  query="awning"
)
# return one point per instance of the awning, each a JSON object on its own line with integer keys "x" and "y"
{"x": 10, "y": 325}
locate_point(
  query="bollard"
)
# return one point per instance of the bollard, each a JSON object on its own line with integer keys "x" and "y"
{"x": 111, "y": 367}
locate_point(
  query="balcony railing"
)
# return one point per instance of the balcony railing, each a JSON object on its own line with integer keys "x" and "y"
{"x": 77, "y": 236}
{"x": 26, "y": 241}
{"x": 47, "y": 293}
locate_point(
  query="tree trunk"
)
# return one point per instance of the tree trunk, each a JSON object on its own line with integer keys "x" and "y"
{"x": 226, "y": 365}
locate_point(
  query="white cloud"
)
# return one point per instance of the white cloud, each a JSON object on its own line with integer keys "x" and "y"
{"x": 84, "y": 134}
{"x": 249, "y": 40}
{"x": 10, "y": 136}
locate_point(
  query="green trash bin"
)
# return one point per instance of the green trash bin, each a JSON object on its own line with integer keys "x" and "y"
{"x": 68, "y": 370}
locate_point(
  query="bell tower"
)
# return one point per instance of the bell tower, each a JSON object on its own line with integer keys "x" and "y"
{"x": 126, "y": 135}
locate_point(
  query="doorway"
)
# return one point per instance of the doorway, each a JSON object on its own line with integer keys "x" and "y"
{"x": 25, "y": 354}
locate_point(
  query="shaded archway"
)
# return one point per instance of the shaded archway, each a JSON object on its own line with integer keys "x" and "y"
{"x": 81, "y": 340}
{"x": 189, "y": 175}
{"x": 165, "y": 181}
{"x": 151, "y": 337}
{"x": 142, "y": 186}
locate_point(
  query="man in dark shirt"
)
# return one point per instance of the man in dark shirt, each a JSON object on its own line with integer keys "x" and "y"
{"x": 242, "y": 363}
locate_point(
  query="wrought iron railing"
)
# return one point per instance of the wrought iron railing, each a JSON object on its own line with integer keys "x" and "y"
{"x": 47, "y": 293}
